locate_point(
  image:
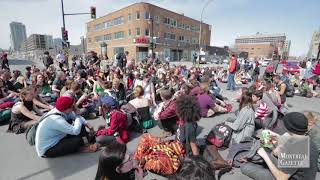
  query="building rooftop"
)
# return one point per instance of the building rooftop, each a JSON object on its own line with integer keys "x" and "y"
{"x": 260, "y": 35}
{"x": 140, "y": 3}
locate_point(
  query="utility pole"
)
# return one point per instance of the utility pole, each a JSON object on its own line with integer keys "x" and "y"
{"x": 152, "y": 45}
{"x": 318, "y": 52}
{"x": 63, "y": 21}
{"x": 200, "y": 33}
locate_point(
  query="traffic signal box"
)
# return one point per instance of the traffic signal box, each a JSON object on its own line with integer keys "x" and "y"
{"x": 93, "y": 12}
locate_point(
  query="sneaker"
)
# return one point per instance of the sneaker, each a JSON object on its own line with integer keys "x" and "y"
{"x": 92, "y": 115}
{"x": 229, "y": 107}
{"x": 91, "y": 148}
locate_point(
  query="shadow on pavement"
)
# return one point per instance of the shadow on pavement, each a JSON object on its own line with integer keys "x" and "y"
{"x": 20, "y": 62}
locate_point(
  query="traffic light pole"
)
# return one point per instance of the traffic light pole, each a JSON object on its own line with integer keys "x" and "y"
{"x": 152, "y": 45}
{"x": 63, "y": 20}
{"x": 64, "y": 24}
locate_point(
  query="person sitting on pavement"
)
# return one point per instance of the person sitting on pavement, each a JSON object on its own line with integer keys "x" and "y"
{"x": 297, "y": 127}
{"x": 58, "y": 83}
{"x": 189, "y": 112}
{"x": 243, "y": 126}
{"x": 117, "y": 125}
{"x": 208, "y": 103}
{"x": 280, "y": 86}
{"x": 115, "y": 162}
{"x": 55, "y": 136}
{"x": 166, "y": 113}
{"x": 195, "y": 167}
{"x": 314, "y": 130}
{"x": 85, "y": 107}
{"x": 22, "y": 116}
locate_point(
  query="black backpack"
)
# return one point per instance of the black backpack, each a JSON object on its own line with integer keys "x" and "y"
{"x": 220, "y": 136}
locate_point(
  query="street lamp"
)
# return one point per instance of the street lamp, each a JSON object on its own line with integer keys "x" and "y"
{"x": 103, "y": 48}
{"x": 152, "y": 45}
{"x": 200, "y": 33}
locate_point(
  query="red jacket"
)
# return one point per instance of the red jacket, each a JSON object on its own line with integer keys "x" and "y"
{"x": 168, "y": 111}
{"x": 118, "y": 123}
{"x": 317, "y": 69}
{"x": 233, "y": 65}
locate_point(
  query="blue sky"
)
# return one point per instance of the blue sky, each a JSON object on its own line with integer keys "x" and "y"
{"x": 298, "y": 19}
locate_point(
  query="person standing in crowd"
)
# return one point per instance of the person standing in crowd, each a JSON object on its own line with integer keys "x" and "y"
{"x": 5, "y": 61}
{"x": 125, "y": 59}
{"x": 232, "y": 71}
{"x": 55, "y": 136}
{"x": 195, "y": 56}
{"x": 115, "y": 162}
{"x": 47, "y": 59}
{"x": 60, "y": 59}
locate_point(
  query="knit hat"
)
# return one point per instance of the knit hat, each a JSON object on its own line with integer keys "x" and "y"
{"x": 64, "y": 102}
{"x": 296, "y": 123}
{"x": 109, "y": 101}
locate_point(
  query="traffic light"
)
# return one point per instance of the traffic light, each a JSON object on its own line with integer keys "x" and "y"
{"x": 93, "y": 12}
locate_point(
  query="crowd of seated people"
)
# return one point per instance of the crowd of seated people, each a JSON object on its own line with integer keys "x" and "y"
{"x": 137, "y": 98}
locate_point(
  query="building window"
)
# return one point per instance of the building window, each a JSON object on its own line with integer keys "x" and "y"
{"x": 138, "y": 15}
{"x": 89, "y": 40}
{"x": 118, "y": 21}
{"x": 147, "y": 15}
{"x": 146, "y": 32}
{"x": 181, "y": 38}
{"x": 170, "y": 36}
{"x": 107, "y": 37}
{"x": 99, "y": 26}
{"x": 129, "y": 17}
{"x": 119, "y": 35}
{"x": 118, "y": 50}
{"x": 109, "y": 24}
{"x": 98, "y": 38}
{"x": 252, "y": 48}
{"x": 138, "y": 32}
{"x": 129, "y": 33}
{"x": 156, "y": 19}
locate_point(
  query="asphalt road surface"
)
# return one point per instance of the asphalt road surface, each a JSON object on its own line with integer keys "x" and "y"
{"x": 20, "y": 161}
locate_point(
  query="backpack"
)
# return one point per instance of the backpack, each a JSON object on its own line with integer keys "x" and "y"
{"x": 289, "y": 90}
{"x": 31, "y": 132}
{"x": 220, "y": 136}
{"x": 238, "y": 66}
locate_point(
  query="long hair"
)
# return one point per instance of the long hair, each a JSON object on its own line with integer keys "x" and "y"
{"x": 188, "y": 108}
{"x": 246, "y": 100}
{"x": 109, "y": 160}
{"x": 194, "y": 168}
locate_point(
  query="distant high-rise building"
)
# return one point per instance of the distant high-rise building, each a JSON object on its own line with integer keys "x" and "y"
{"x": 37, "y": 42}
{"x": 57, "y": 43}
{"x": 262, "y": 45}
{"x": 313, "y": 50}
{"x": 49, "y": 42}
{"x": 18, "y": 35}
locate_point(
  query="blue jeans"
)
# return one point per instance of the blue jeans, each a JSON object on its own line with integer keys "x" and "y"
{"x": 231, "y": 83}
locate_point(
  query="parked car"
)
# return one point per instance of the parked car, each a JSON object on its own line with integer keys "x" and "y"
{"x": 265, "y": 62}
{"x": 283, "y": 62}
{"x": 291, "y": 67}
{"x": 226, "y": 61}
